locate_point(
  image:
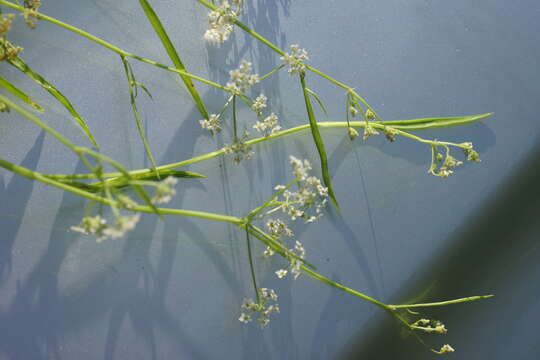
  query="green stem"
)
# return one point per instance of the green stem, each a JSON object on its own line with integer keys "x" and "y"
{"x": 276, "y": 49}
{"x": 110, "y": 46}
{"x": 251, "y": 267}
{"x": 34, "y": 175}
{"x": 440, "y": 303}
{"x": 326, "y": 124}
{"x": 317, "y": 139}
{"x": 235, "y": 131}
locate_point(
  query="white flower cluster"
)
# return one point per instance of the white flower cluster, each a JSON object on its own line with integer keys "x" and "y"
{"x": 269, "y": 125}
{"x": 294, "y": 263}
{"x": 96, "y": 225}
{"x": 295, "y": 59}
{"x": 240, "y": 149}
{"x": 447, "y": 166}
{"x": 471, "y": 154}
{"x": 260, "y": 104}
{"x": 278, "y": 228}
{"x": 213, "y": 124}
{"x": 262, "y": 307}
{"x": 221, "y": 21}
{"x": 165, "y": 190}
{"x": 241, "y": 79}
{"x": 369, "y": 131}
{"x": 445, "y": 349}
{"x": 430, "y": 326}
{"x": 311, "y": 194}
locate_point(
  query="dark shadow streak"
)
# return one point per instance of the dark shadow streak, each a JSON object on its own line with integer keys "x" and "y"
{"x": 481, "y": 257}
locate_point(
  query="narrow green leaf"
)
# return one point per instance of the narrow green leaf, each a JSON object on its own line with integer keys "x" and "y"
{"x": 426, "y": 123}
{"x": 121, "y": 182}
{"x": 318, "y": 142}
{"x": 132, "y": 95}
{"x": 318, "y": 99}
{"x": 19, "y": 93}
{"x": 21, "y": 66}
{"x": 173, "y": 54}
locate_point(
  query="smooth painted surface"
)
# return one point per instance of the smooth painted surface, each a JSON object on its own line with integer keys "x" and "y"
{"x": 172, "y": 289}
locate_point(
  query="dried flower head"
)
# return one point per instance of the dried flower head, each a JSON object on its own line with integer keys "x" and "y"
{"x": 5, "y": 23}
{"x": 30, "y": 13}
{"x": 369, "y": 131}
{"x": 8, "y": 51}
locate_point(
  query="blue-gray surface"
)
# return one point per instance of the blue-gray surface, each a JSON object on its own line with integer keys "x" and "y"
{"x": 172, "y": 288}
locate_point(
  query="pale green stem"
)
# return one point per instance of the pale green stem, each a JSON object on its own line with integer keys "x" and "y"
{"x": 140, "y": 208}
{"x": 217, "y": 153}
{"x": 112, "y": 47}
{"x": 441, "y": 303}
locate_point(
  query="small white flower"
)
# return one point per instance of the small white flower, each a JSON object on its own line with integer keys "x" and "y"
{"x": 446, "y": 349}
{"x": 369, "y": 131}
{"x": 221, "y": 21}
{"x": 91, "y": 225}
{"x": 241, "y": 79}
{"x": 268, "y": 252}
{"x": 268, "y": 294}
{"x": 278, "y": 228}
{"x": 295, "y": 59}
{"x": 240, "y": 149}
{"x": 281, "y": 273}
{"x": 244, "y": 318}
{"x": 260, "y": 104}
{"x": 165, "y": 190}
{"x": 269, "y": 125}
{"x": 213, "y": 124}
{"x": 123, "y": 224}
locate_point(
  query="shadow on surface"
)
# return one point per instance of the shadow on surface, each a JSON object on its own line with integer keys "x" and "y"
{"x": 15, "y": 197}
{"x": 494, "y": 252}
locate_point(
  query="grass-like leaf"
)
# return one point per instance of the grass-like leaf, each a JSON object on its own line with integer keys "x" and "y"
{"x": 132, "y": 84}
{"x": 426, "y": 123}
{"x": 8, "y": 86}
{"x": 318, "y": 142}
{"x": 23, "y": 67}
{"x": 318, "y": 99}
{"x": 123, "y": 182}
{"x": 173, "y": 54}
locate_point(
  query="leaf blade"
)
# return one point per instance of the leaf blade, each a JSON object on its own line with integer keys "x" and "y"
{"x": 19, "y": 64}
{"x": 173, "y": 54}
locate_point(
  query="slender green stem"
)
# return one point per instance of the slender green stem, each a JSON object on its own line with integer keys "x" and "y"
{"x": 132, "y": 83}
{"x": 173, "y": 54}
{"x": 19, "y": 93}
{"x": 326, "y": 124}
{"x": 326, "y": 280}
{"x": 235, "y": 131}
{"x": 34, "y": 175}
{"x": 271, "y": 72}
{"x": 319, "y": 143}
{"x": 251, "y": 267}
{"x": 112, "y": 47}
{"x": 267, "y": 203}
{"x": 440, "y": 303}
{"x": 279, "y": 51}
